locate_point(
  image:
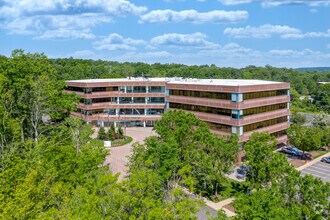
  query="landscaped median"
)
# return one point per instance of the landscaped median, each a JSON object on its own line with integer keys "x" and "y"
{"x": 121, "y": 142}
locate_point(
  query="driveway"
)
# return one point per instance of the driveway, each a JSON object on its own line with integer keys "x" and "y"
{"x": 118, "y": 157}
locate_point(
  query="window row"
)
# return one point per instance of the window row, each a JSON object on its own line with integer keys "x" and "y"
{"x": 262, "y": 124}
{"x": 219, "y": 127}
{"x": 90, "y": 90}
{"x": 257, "y": 95}
{"x": 198, "y": 108}
{"x": 201, "y": 94}
{"x": 122, "y": 112}
{"x": 125, "y": 100}
{"x": 142, "y": 89}
{"x": 279, "y": 134}
{"x": 252, "y": 111}
{"x": 129, "y": 89}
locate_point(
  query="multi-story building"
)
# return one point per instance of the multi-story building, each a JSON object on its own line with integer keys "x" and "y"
{"x": 228, "y": 106}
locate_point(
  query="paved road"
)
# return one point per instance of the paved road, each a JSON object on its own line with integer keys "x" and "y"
{"x": 320, "y": 170}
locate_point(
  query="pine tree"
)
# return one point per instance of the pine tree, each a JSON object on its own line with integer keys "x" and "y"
{"x": 112, "y": 133}
{"x": 120, "y": 132}
{"x": 102, "y": 135}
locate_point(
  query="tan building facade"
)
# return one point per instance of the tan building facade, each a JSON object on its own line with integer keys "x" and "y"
{"x": 228, "y": 106}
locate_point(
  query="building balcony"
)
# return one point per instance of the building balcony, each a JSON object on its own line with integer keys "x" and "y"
{"x": 108, "y": 94}
{"x": 228, "y": 104}
{"x": 228, "y": 120}
{"x": 114, "y": 105}
{"x": 263, "y": 117}
{"x": 106, "y": 117}
{"x": 268, "y": 129}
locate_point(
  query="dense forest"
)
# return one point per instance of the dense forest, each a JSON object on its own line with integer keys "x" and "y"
{"x": 51, "y": 168}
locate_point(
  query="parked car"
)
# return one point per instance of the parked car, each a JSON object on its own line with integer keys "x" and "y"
{"x": 325, "y": 159}
{"x": 291, "y": 151}
{"x": 306, "y": 156}
{"x": 243, "y": 170}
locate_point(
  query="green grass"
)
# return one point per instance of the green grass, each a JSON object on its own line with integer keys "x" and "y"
{"x": 121, "y": 142}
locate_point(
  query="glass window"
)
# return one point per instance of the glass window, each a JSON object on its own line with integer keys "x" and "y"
{"x": 199, "y": 108}
{"x": 201, "y": 94}
{"x": 77, "y": 89}
{"x": 156, "y": 89}
{"x": 155, "y": 111}
{"x": 129, "y": 89}
{"x": 139, "y": 100}
{"x": 219, "y": 127}
{"x": 125, "y": 100}
{"x": 139, "y": 89}
{"x": 156, "y": 100}
{"x": 122, "y": 88}
{"x": 256, "y": 95}
{"x": 262, "y": 124}
{"x": 263, "y": 109}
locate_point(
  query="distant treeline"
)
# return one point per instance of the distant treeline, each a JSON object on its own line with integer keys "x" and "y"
{"x": 317, "y": 69}
{"x": 70, "y": 69}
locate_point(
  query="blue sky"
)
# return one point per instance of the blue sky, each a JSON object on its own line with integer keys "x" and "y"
{"x": 230, "y": 33}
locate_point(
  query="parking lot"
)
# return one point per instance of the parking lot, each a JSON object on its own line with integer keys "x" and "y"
{"x": 320, "y": 170}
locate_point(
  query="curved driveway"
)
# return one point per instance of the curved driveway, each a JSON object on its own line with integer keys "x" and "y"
{"x": 118, "y": 157}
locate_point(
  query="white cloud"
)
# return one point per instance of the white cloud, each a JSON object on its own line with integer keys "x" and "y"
{"x": 56, "y": 18}
{"x": 217, "y": 16}
{"x": 235, "y": 55}
{"x": 118, "y": 42}
{"x": 66, "y": 34}
{"x": 274, "y": 3}
{"x": 56, "y": 26}
{"x": 185, "y": 41}
{"x": 328, "y": 46}
{"x": 18, "y": 8}
{"x": 263, "y": 31}
{"x": 307, "y": 35}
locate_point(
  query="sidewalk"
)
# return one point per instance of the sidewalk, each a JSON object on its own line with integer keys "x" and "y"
{"x": 220, "y": 205}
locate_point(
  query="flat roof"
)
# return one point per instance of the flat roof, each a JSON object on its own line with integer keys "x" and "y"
{"x": 179, "y": 80}
{"x": 132, "y": 79}
{"x": 223, "y": 82}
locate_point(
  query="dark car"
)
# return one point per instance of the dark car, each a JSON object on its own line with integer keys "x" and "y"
{"x": 292, "y": 151}
{"x": 306, "y": 156}
{"x": 326, "y": 159}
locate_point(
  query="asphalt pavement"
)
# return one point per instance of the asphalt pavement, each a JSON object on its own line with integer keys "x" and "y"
{"x": 319, "y": 170}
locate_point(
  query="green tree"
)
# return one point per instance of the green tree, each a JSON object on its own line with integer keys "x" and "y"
{"x": 112, "y": 133}
{"x": 102, "y": 135}
{"x": 305, "y": 138}
{"x": 187, "y": 153}
{"x": 321, "y": 120}
{"x": 265, "y": 166}
{"x": 33, "y": 95}
{"x": 120, "y": 132}
{"x": 298, "y": 119}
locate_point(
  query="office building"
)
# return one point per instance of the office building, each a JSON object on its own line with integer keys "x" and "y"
{"x": 227, "y": 106}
